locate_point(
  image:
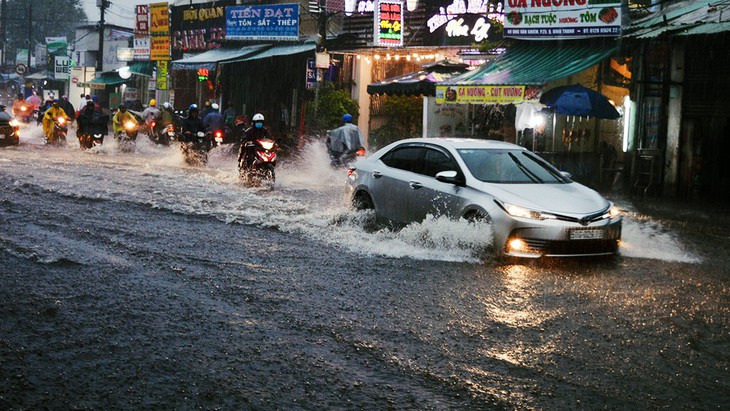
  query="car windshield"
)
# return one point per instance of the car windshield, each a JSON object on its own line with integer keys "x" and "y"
{"x": 510, "y": 167}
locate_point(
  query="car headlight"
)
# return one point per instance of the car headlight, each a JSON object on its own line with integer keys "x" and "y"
{"x": 522, "y": 212}
{"x": 612, "y": 212}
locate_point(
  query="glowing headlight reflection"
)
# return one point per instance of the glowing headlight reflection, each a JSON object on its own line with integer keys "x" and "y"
{"x": 522, "y": 212}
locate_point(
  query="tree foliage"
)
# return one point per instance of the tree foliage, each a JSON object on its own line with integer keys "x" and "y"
{"x": 405, "y": 114}
{"x": 50, "y": 18}
{"x": 326, "y": 110}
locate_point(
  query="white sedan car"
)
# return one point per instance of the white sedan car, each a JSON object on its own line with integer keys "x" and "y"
{"x": 534, "y": 209}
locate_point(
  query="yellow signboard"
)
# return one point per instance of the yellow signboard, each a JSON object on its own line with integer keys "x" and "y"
{"x": 159, "y": 19}
{"x": 162, "y": 75}
{"x": 160, "y": 48}
{"x": 480, "y": 94}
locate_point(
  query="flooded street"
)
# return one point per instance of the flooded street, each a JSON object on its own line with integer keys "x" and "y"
{"x": 131, "y": 281}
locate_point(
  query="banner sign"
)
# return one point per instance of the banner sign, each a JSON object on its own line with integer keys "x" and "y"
{"x": 141, "y": 48}
{"x": 142, "y": 26}
{"x": 311, "y": 74}
{"x": 61, "y": 70}
{"x": 162, "y": 75}
{"x": 56, "y": 45}
{"x": 159, "y": 48}
{"x": 462, "y": 22}
{"x": 269, "y": 22}
{"x": 198, "y": 27}
{"x": 389, "y": 23}
{"x": 556, "y": 19}
{"x": 125, "y": 54}
{"x": 159, "y": 19}
{"x": 480, "y": 94}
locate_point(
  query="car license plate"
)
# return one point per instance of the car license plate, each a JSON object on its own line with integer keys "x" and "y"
{"x": 2, "y": 136}
{"x": 586, "y": 235}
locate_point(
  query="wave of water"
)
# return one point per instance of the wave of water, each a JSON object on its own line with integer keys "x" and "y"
{"x": 309, "y": 198}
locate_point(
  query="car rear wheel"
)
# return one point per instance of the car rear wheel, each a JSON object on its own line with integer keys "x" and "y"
{"x": 362, "y": 201}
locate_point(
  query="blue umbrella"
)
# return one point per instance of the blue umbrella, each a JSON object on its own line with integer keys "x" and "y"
{"x": 577, "y": 100}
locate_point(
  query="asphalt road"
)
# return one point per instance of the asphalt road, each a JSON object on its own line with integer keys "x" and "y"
{"x": 130, "y": 281}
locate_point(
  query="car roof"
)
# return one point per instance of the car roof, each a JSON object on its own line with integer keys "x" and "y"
{"x": 461, "y": 143}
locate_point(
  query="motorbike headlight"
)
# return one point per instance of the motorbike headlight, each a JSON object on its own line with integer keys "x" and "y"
{"x": 129, "y": 125}
{"x": 522, "y": 212}
{"x": 267, "y": 144}
{"x": 61, "y": 120}
{"x": 14, "y": 123}
{"x": 23, "y": 108}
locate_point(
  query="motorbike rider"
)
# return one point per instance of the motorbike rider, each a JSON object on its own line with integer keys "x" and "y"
{"x": 150, "y": 114}
{"x": 68, "y": 108}
{"x": 192, "y": 124}
{"x": 18, "y": 106}
{"x": 256, "y": 132}
{"x": 167, "y": 116}
{"x": 121, "y": 117}
{"x": 344, "y": 140}
{"x": 90, "y": 121}
{"x": 50, "y": 116}
{"x": 214, "y": 120}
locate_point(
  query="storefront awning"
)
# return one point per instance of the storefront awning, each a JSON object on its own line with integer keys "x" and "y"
{"x": 107, "y": 78}
{"x": 535, "y": 63}
{"x": 210, "y": 58}
{"x": 277, "y": 51}
{"x": 142, "y": 68}
{"x": 421, "y": 82}
{"x": 682, "y": 19}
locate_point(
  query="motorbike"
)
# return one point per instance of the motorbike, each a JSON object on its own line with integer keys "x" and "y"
{"x": 26, "y": 113}
{"x": 167, "y": 135}
{"x": 9, "y": 135}
{"x": 218, "y": 137}
{"x": 347, "y": 158}
{"x": 261, "y": 168}
{"x": 94, "y": 133}
{"x": 126, "y": 140}
{"x": 195, "y": 148}
{"x": 58, "y": 134}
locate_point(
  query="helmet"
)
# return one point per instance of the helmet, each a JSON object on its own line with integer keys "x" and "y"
{"x": 347, "y": 118}
{"x": 258, "y": 117}
{"x": 166, "y": 104}
{"x": 55, "y": 100}
{"x": 153, "y": 103}
{"x": 214, "y": 106}
{"x": 207, "y": 103}
{"x": 193, "y": 107}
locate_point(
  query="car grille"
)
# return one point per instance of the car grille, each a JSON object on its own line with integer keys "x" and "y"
{"x": 572, "y": 247}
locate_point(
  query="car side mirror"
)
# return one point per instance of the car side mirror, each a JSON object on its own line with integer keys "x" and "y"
{"x": 567, "y": 175}
{"x": 449, "y": 176}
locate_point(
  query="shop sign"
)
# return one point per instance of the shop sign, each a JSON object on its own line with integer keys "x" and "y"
{"x": 462, "y": 22}
{"x": 159, "y": 19}
{"x": 269, "y": 22}
{"x": 125, "y": 53}
{"x": 160, "y": 48}
{"x": 480, "y": 94}
{"x": 203, "y": 74}
{"x": 61, "y": 69}
{"x": 311, "y": 74}
{"x": 389, "y": 24}
{"x": 162, "y": 75}
{"x": 130, "y": 93}
{"x": 142, "y": 26}
{"x": 198, "y": 27}
{"x": 141, "y": 48}
{"x": 556, "y": 19}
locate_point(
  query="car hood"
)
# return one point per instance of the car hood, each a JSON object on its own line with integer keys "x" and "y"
{"x": 572, "y": 198}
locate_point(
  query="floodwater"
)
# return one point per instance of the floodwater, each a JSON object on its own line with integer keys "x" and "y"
{"x": 133, "y": 281}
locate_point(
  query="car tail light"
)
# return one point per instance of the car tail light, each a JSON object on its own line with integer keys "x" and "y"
{"x": 360, "y": 152}
{"x": 351, "y": 171}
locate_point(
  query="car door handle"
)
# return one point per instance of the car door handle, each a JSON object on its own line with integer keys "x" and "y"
{"x": 377, "y": 174}
{"x": 415, "y": 185}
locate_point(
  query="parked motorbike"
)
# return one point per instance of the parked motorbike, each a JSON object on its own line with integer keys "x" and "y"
{"x": 195, "y": 148}
{"x": 126, "y": 140}
{"x": 261, "y": 168}
{"x": 58, "y": 134}
{"x": 9, "y": 135}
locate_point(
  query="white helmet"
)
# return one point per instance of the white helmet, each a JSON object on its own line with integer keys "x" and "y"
{"x": 215, "y": 106}
{"x": 166, "y": 104}
{"x": 258, "y": 117}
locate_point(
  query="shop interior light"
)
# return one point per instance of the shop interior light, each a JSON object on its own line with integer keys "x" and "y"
{"x": 627, "y": 123}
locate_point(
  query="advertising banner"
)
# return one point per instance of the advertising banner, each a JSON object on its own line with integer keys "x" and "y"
{"x": 159, "y": 19}
{"x": 198, "y": 27}
{"x": 560, "y": 19}
{"x": 142, "y": 26}
{"x": 162, "y": 75}
{"x": 141, "y": 48}
{"x": 311, "y": 75}
{"x": 480, "y": 94}
{"x": 159, "y": 48}
{"x": 56, "y": 44}
{"x": 61, "y": 70}
{"x": 269, "y": 22}
{"x": 462, "y": 23}
{"x": 389, "y": 23}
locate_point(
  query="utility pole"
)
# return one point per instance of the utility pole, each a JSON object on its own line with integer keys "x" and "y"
{"x": 3, "y": 33}
{"x": 100, "y": 55}
{"x": 30, "y": 32}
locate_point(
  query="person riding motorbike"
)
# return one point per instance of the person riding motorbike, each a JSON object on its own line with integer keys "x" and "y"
{"x": 50, "y": 116}
{"x": 150, "y": 114}
{"x": 21, "y": 108}
{"x": 68, "y": 108}
{"x": 256, "y": 132}
{"x": 214, "y": 120}
{"x": 192, "y": 124}
{"x": 344, "y": 141}
{"x": 167, "y": 117}
{"x": 121, "y": 117}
